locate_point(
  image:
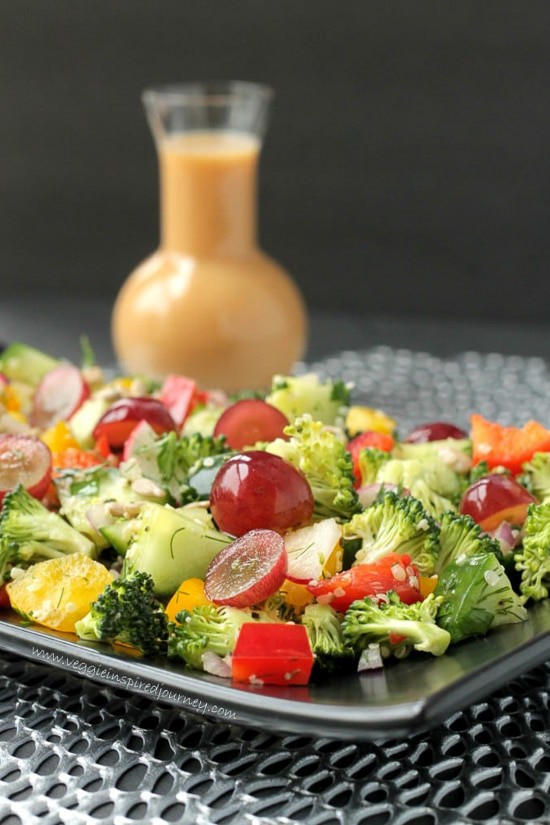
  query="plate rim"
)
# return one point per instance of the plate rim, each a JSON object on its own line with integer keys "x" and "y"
{"x": 244, "y": 705}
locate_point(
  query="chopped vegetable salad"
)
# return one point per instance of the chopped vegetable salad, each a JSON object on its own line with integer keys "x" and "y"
{"x": 271, "y": 538}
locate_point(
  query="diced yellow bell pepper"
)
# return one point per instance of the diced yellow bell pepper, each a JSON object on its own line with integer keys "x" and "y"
{"x": 296, "y": 594}
{"x": 333, "y": 564}
{"x": 189, "y": 594}
{"x": 426, "y": 585}
{"x": 361, "y": 419}
{"x": 10, "y": 398}
{"x": 18, "y": 416}
{"x": 59, "y": 438}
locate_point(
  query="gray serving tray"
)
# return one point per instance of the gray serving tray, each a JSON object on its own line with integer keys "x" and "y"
{"x": 406, "y": 696}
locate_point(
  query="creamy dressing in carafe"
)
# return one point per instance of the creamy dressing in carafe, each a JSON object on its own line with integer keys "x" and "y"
{"x": 209, "y": 303}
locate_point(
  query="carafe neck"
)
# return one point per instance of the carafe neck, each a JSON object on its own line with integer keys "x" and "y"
{"x": 208, "y": 193}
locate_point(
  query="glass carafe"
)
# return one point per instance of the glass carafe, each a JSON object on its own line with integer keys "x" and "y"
{"x": 209, "y": 303}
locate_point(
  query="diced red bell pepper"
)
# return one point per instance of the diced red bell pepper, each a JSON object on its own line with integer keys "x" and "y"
{"x": 272, "y": 654}
{"x": 102, "y": 447}
{"x": 393, "y": 572}
{"x": 75, "y": 458}
{"x": 508, "y": 447}
{"x": 370, "y": 438}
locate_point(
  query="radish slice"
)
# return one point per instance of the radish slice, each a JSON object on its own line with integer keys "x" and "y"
{"x": 247, "y": 571}
{"x": 4, "y": 381}
{"x": 27, "y": 461}
{"x": 143, "y": 436}
{"x": 309, "y": 550}
{"x": 58, "y": 396}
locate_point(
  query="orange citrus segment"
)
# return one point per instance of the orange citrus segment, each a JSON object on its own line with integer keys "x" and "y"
{"x": 58, "y": 592}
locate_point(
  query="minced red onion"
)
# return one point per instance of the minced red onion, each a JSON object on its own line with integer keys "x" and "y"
{"x": 98, "y": 516}
{"x": 214, "y": 664}
{"x": 507, "y": 537}
{"x": 370, "y": 659}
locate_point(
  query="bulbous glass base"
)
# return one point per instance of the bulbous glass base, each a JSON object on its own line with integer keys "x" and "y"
{"x": 230, "y": 324}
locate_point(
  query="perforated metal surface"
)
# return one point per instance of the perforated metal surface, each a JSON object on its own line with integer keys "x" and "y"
{"x": 74, "y": 752}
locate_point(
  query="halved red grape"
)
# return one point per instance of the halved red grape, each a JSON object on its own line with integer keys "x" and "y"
{"x": 248, "y": 421}
{"x": 496, "y": 498}
{"x": 58, "y": 396}
{"x": 24, "y": 460}
{"x": 434, "y": 431}
{"x": 248, "y": 570}
{"x": 118, "y": 422}
{"x": 260, "y": 490}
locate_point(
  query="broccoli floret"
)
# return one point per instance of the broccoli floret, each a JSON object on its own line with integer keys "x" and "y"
{"x": 326, "y": 464}
{"x": 395, "y": 524}
{"x": 178, "y": 456}
{"x": 324, "y": 630}
{"x": 29, "y": 532}
{"x": 127, "y": 612}
{"x": 205, "y": 628}
{"x": 536, "y": 476}
{"x": 169, "y": 461}
{"x": 455, "y": 452}
{"x": 431, "y": 481}
{"x": 275, "y": 609}
{"x": 371, "y": 460}
{"x": 461, "y": 536}
{"x": 171, "y": 547}
{"x": 476, "y": 596}
{"x": 395, "y": 626}
{"x": 533, "y": 558}
{"x": 325, "y": 401}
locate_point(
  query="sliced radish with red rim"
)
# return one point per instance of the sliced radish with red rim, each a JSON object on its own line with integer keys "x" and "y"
{"x": 24, "y": 460}
{"x": 58, "y": 396}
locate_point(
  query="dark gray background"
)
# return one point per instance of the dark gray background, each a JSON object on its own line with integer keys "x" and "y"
{"x": 405, "y": 171}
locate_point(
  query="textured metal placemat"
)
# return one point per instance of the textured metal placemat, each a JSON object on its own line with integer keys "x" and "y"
{"x": 74, "y": 752}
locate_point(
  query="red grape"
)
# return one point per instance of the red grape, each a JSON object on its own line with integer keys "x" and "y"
{"x": 124, "y": 415}
{"x": 496, "y": 498}
{"x": 434, "y": 431}
{"x": 260, "y": 490}
{"x": 248, "y": 570}
{"x": 250, "y": 420}
{"x": 27, "y": 461}
{"x": 58, "y": 396}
